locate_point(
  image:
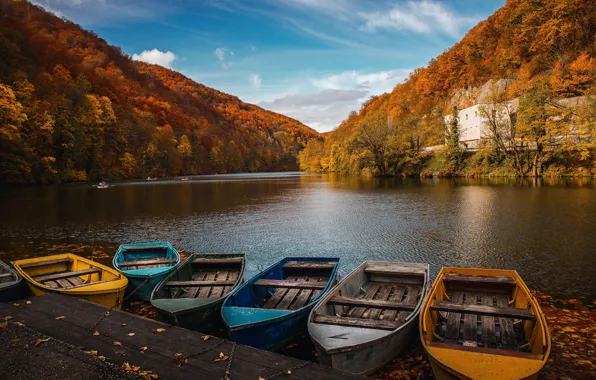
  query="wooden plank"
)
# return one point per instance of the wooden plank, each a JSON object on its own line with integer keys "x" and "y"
{"x": 470, "y": 321}
{"x": 396, "y": 296}
{"x": 290, "y": 284}
{"x": 378, "y": 303}
{"x": 396, "y": 280}
{"x": 75, "y": 281}
{"x": 488, "y": 323}
{"x": 356, "y": 322}
{"x": 309, "y": 265}
{"x": 199, "y": 284}
{"x": 302, "y": 298}
{"x": 146, "y": 262}
{"x": 284, "y": 304}
{"x": 454, "y": 319}
{"x": 275, "y": 298}
{"x": 485, "y": 350}
{"x": 146, "y": 248}
{"x": 218, "y": 261}
{"x": 394, "y": 270}
{"x": 65, "y": 284}
{"x": 46, "y": 263}
{"x": 369, "y": 294}
{"x": 93, "y": 283}
{"x": 204, "y": 292}
{"x": 316, "y": 292}
{"x": 381, "y": 296}
{"x": 460, "y": 279}
{"x": 508, "y": 338}
{"x": 221, "y": 276}
{"x": 411, "y": 297}
{"x": 56, "y": 276}
{"x": 232, "y": 277}
{"x": 194, "y": 291}
{"x": 505, "y": 312}
{"x": 52, "y": 284}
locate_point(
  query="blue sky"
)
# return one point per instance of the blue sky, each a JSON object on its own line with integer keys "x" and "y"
{"x": 314, "y": 60}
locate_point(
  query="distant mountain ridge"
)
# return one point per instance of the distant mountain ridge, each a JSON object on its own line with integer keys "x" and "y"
{"x": 80, "y": 109}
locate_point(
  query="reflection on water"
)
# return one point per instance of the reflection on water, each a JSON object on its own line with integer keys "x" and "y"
{"x": 546, "y": 229}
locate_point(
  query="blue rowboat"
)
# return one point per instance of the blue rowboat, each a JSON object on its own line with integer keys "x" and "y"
{"x": 145, "y": 265}
{"x": 271, "y": 309}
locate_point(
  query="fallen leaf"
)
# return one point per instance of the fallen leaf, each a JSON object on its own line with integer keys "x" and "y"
{"x": 28, "y": 302}
{"x": 61, "y": 317}
{"x": 7, "y": 318}
{"x": 116, "y": 344}
{"x": 206, "y": 337}
{"x": 568, "y": 329}
{"x": 19, "y": 324}
{"x": 93, "y": 353}
{"x": 16, "y": 304}
{"x": 3, "y": 325}
{"x": 107, "y": 313}
{"x": 160, "y": 330}
{"x": 180, "y": 360}
{"x": 126, "y": 367}
{"x": 289, "y": 372}
{"x": 261, "y": 378}
{"x": 124, "y": 324}
{"x": 222, "y": 357}
{"x": 144, "y": 348}
{"x": 40, "y": 341}
{"x": 135, "y": 368}
{"x": 292, "y": 345}
{"x": 131, "y": 334}
{"x": 102, "y": 358}
{"x": 96, "y": 333}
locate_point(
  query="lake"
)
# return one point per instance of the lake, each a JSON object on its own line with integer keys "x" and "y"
{"x": 545, "y": 229}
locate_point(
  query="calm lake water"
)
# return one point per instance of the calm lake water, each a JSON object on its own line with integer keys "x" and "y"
{"x": 546, "y": 229}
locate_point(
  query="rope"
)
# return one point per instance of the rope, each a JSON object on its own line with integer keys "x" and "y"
{"x": 227, "y": 374}
{"x": 92, "y": 329}
{"x": 289, "y": 372}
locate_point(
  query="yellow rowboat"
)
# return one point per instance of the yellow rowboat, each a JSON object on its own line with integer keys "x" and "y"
{"x": 75, "y": 276}
{"x": 483, "y": 324}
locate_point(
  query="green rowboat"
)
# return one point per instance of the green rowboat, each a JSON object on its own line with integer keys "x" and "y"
{"x": 192, "y": 295}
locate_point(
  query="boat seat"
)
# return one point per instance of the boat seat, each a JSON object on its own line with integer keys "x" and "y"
{"x": 394, "y": 270}
{"x": 491, "y": 311}
{"x": 146, "y": 262}
{"x": 46, "y": 263}
{"x": 309, "y": 265}
{"x": 59, "y": 276}
{"x": 370, "y": 303}
{"x": 217, "y": 261}
{"x": 486, "y": 350}
{"x": 460, "y": 280}
{"x": 5, "y": 275}
{"x": 196, "y": 284}
{"x": 290, "y": 284}
{"x": 145, "y": 248}
{"x": 357, "y": 322}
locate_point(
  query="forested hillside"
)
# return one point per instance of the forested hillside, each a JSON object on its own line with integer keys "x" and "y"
{"x": 74, "y": 108}
{"x": 546, "y": 47}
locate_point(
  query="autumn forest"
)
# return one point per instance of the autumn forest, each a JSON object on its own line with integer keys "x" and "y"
{"x": 74, "y": 108}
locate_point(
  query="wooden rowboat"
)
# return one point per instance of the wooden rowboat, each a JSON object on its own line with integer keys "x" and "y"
{"x": 483, "y": 324}
{"x": 145, "y": 265}
{"x": 192, "y": 295}
{"x": 370, "y": 316}
{"x": 271, "y": 309}
{"x": 11, "y": 284}
{"x": 73, "y": 275}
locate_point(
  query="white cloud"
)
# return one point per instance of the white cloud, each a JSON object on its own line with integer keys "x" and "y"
{"x": 424, "y": 16}
{"x": 255, "y": 80}
{"x": 252, "y": 47}
{"x": 156, "y": 57}
{"x": 338, "y": 95}
{"x": 221, "y": 54}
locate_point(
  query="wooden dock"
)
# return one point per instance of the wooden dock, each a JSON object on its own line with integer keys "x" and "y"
{"x": 171, "y": 353}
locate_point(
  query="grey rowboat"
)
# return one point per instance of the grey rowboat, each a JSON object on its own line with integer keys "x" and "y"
{"x": 370, "y": 316}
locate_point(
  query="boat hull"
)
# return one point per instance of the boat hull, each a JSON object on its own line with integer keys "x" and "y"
{"x": 109, "y": 292}
{"x": 272, "y": 335}
{"x": 362, "y": 350}
{"x": 140, "y": 287}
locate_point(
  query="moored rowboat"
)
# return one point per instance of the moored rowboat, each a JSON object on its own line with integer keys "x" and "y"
{"x": 11, "y": 284}
{"x": 370, "y": 316}
{"x": 192, "y": 295}
{"x": 145, "y": 265}
{"x": 270, "y": 310}
{"x": 483, "y": 324}
{"x": 73, "y": 275}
